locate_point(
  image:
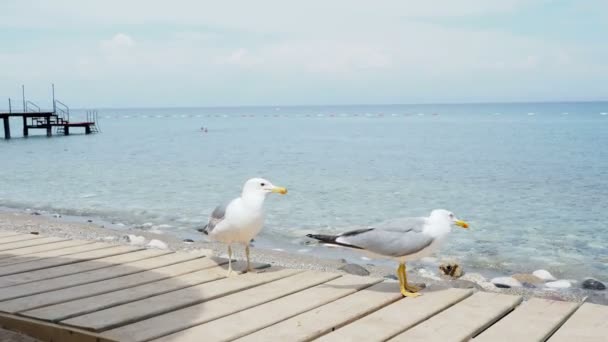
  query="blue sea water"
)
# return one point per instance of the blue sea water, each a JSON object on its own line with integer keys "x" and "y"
{"x": 531, "y": 179}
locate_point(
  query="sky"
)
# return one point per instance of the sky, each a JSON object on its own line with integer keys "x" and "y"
{"x": 180, "y": 53}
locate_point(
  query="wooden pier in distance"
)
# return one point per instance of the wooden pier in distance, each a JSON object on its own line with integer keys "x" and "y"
{"x": 35, "y": 118}
{"x": 44, "y": 120}
{"x": 66, "y": 290}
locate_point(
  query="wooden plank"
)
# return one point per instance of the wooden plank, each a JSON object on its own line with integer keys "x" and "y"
{"x": 534, "y": 320}
{"x": 397, "y": 317}
{"x": 47, "y": 332}
{"x": 463, "y": 320}
{"x": 201, "y": 313}
{"x": 142, "y": 309}
{"x": 8, "y": 233}
{"x": 6, "y": 265}
{"x": 314, "y": 323}
{"x": 33, "y": 253}
{"x": 264, "y": 315}
{"x": 134, "y": 262}
{"x": 20, "y": 237}
{"x": 8, "y": 248}
{"x": 43, "y": 248}
{"x": 95, "y": 260}
{"x": 588, "y": 324}
{"x": 62, "y": 304}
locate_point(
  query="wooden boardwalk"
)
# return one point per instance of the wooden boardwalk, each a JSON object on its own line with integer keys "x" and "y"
{"x": 66, "y": 290}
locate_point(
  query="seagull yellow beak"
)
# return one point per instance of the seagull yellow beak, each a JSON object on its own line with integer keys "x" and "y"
{"x": 279, "y": 190}
{"x": 461, "y": 224}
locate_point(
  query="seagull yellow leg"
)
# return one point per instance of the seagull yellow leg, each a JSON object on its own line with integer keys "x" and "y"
{"x": 406, "y": 289}
{"x": 229, "y": 260}
{"x": 249, "y": 269}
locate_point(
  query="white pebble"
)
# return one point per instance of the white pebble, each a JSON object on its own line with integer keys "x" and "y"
{"x": 508, "y": 281}
{"x": 544, "y": 275}
{"x": 136, "y": 240}
{"x": 559, "y": 284}
{"x": 157, "y": 244}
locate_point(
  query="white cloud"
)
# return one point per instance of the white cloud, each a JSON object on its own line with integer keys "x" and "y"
{"x": 120, "y": 41}
{"x": 329, "y": 47}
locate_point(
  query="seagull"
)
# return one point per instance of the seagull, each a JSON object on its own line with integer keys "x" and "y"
{"x": 401, "y": 240}
{"x": 241, "y": 219}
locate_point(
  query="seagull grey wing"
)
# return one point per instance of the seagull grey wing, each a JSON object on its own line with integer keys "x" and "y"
{"x": 386, "y": 242}
{"x": 404, "y": 224}
{"x": 217, "y": 216}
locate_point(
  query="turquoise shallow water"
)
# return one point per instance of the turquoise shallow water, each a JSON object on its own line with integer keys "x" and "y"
{"x": 532, "y": 179}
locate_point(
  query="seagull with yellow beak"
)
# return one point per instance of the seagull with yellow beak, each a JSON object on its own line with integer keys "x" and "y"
{"x": 401, "y": 240}
{"x": 241, "y": 219}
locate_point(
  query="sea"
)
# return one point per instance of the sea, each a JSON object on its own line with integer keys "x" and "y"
{"x": 530, "y": 178}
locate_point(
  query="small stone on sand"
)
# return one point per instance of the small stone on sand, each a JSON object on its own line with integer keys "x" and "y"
{"x": 157, "y": 244}
{"x": 592, "y": 284}
{"x": 506, "y": 282}
{"x": 354, "y": 269}
{"x": 558, "y": 284}
{"x": 135, "y": 240}
{"x": 544, "y": 275}
{"x": 527, "y": 278}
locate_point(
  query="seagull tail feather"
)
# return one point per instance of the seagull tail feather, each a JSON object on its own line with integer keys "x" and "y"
{"x": 204, "y": 230}
{"x": 331, "y": 240}
{"x": 323, "y": 238}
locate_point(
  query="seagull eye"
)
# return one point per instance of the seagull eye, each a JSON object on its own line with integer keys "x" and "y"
{"x": 451, "y": 215}
{"x": 262, "y": 184}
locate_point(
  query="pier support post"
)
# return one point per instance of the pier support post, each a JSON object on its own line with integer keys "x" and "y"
{"x": 66, "y": 130}
{"x": 25, "y": 129}
{"x": 7, "y": 128}
{"x": 87, "y": 129}
{"x": 49, "y": 129}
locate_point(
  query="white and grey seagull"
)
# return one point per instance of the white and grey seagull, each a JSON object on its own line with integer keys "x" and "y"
{"x": 400, "y": 239}
{"x": 241, "y": 219}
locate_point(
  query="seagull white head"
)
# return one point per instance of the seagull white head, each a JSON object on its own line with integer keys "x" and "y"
{"x": 262, "y": 187}
{"x": 445, "y": 216}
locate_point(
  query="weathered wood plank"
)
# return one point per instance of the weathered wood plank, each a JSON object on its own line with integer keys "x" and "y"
{"x": 95, "y": 260}
{"x": 136, "y": 311}
{"x": 264, "y": 315}
{"x": 397, "y": 317}
{"x": 20, "y": 237}
{"x": 534, "y": 320}
{"x": 134, "y": 262}
{"x": 30, "y": 262}
{"x": 175, "y": 321}
{"x": 7, "y": 248}
{"x": 588, "y": 324}
{"x": 62, "y": 304}
{"x": 463, "y": 320}
{"x": 7, "y": 233}
{"x": 51, "y": 250}
{"x": 14, "y": 253}
{"x": 47, "y": 332}
{"x": 324, "y": 319}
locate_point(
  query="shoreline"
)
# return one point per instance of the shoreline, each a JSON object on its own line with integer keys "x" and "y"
{"x": 426, "y": 271}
